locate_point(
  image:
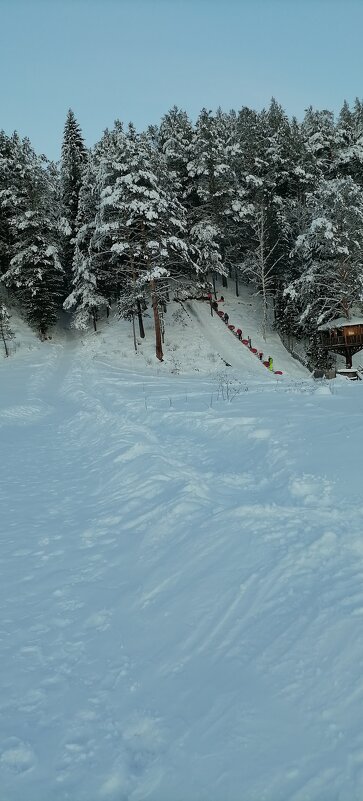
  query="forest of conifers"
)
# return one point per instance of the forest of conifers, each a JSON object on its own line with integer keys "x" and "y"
{"x": 142, "y": 218}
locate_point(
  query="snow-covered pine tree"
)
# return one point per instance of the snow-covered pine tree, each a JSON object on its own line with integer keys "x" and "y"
{"x": 86, "y": 297}
{"x": 35, "y": 274}
{"x": 74, "y": 156}
{"x": 204, "y": 239}
{"x": 210, "y": 170}
{"x": 174, "y": 141}
{"x": 294, "y": 175}
{"x": 145, "y": 226}
{"x": 349, "y": 143}
{"x": 318, "y": 132}
{"x": 7, "y": 168}
{"x": 132, "y": 304}
{"x": 107, "y": 266}
{"x": 259, "y": 209}
{"x": 332, "y": 247}
{"x": 6, "y": 332}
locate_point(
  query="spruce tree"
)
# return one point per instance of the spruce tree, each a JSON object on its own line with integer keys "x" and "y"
{"x": 175, "y": 137}
{"x": 210, "y": 170}
{"x": 35, "y": 274}
{"x": 142, "y": 225}
{"x": 331, "y": 281}
{"x": 7, "y": 167}
{"x": 86, "y": 297}
{"x": 74, "y": 155}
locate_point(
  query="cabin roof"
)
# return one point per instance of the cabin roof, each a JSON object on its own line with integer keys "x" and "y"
{"x": 341, "y": 322}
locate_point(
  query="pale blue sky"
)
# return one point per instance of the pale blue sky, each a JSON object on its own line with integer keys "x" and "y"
{"x": 134, "y": 59}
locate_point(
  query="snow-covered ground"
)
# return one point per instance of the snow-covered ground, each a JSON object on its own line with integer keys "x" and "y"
{"x": 181, "y": 589}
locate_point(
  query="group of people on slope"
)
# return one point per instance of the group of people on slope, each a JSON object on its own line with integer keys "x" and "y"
{"x": 214, "y": 303}
{"x": 238, "y": 332}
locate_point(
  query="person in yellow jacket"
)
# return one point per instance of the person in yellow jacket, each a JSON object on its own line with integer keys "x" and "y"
{"x": 270, "y": 363}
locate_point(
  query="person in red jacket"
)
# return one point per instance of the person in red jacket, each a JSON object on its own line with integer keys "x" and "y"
{"x": 239, "y": 333}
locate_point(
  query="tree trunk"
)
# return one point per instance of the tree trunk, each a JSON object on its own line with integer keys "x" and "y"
{"x": 162, "y": 327}
{"x": 140, "y": 319}
{"x": 158, "y": 342}
{"x": 134, "y": 332}
{"x": 5, "y": 343}
{"x": 214, "y": 285}
{"x": 236, "y": 278}
{"x": 262, "y": 275}
{"x": 94, "y": 318}
{"x": 224, "y": 282}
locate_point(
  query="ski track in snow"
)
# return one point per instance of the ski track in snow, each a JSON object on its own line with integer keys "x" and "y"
{"x": 182, "y": 585}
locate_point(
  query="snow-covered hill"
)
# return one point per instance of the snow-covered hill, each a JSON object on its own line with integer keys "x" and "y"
{"x": 181, "y": 572}
{"x": 195, "y": 342}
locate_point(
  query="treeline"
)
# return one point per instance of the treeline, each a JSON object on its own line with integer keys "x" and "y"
{"x": 145, "y": 217}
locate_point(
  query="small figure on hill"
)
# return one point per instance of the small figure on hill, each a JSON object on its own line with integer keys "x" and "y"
{"x": 249, "y": 342}
{"x": 215, "y": 305}
{"x": 260, "y": 355}
{"x": 239, "y": 333}
{"x": 221, "y": 299}
{"x": 226, "y": 318}
{"x": 270, "y": 363}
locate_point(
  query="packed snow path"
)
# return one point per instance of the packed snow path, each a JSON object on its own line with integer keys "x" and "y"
{"x": 181, "y": 589}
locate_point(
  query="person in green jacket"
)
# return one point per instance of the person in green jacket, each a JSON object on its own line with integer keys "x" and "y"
{"x": 270, "y": 363}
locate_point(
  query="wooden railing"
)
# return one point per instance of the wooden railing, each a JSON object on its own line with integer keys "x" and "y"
{"x": 347, "y": 339}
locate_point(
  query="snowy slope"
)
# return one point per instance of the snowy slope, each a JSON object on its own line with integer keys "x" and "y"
{"x": 181, "y": 580}
{"x": 194, "y": 340}
{"x": 224, "y": 341}
{"x": 245, "y": 312}
{"x": 181, "y": 592}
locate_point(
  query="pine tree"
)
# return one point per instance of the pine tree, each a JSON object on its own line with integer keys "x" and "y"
{"x": 35, "y": 274}
{"x": 86, "y": 297}
{"x": 349, "y": 143}
{"x": 7, "y": 168}
{"x": 74, "y": 155}
{"x": 175, "y": 137}
{"x": 331, "y": 246}
{"x": 210, "y": 169}
{"x": 319, "y": 136}
{"x": 107, "y": 265}
{"x": 142, "y": 225}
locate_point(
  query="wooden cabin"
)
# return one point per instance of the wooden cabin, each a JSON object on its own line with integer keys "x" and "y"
{"x": 343, "y": 336}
